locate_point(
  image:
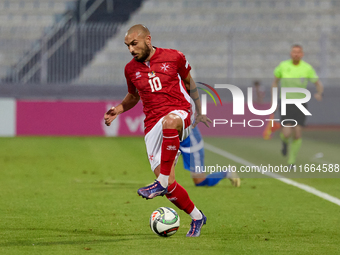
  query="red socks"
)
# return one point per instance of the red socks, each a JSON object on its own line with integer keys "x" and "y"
{"x": 170, "y": 147}
{"x": 176, "y": 193}
{"x": 179, "y": 197}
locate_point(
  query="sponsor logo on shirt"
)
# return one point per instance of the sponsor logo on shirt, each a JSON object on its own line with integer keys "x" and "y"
{"x": 152, "y": 74}
{"x": 138, "y": 75}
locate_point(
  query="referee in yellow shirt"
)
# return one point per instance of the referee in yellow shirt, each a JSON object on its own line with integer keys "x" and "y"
{"x": 295, "y": 73}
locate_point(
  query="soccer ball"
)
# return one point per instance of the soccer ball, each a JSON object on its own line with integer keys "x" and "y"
{"x": 164, "y": 221}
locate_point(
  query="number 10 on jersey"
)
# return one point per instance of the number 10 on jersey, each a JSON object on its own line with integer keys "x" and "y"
{"x": 155, "y": 84}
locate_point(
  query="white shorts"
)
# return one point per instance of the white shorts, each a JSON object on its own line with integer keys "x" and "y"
{"x": 154, "y": 138}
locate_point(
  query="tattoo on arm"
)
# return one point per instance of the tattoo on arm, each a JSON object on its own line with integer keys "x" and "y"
{"x": 193, "y": 90}
{"x": 195, "y": 99}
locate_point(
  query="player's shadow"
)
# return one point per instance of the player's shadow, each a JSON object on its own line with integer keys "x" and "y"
{"x": 116, "y": 237}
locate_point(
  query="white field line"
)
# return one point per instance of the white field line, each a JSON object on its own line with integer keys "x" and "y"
{"x": 304, "y": 187}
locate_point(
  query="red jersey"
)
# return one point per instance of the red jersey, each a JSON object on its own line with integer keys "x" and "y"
{"x": 159, "y": 84}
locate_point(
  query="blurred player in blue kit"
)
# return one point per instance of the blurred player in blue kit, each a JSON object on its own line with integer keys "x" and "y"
{"x": 192, "y": 149}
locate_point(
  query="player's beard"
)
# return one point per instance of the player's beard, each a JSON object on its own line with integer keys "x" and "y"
{"x": 144, "y": 54}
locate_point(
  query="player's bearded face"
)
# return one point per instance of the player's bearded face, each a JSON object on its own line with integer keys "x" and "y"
{"x": 143, "y": 54}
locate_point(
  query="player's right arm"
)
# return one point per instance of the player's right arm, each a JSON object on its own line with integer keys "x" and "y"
{"x": 129, "y": 102}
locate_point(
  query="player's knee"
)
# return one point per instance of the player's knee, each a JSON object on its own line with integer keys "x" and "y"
{"x": 171, "y": 121}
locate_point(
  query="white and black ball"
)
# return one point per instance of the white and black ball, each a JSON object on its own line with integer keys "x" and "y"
{"x": 164, "y": 221}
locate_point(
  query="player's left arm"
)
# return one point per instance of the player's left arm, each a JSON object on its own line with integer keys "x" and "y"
{"x": 190, "y": 85}
{"x": 319, "y": 88}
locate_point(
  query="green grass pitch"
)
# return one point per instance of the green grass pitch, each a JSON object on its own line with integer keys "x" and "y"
{"x": 68, "y": 195}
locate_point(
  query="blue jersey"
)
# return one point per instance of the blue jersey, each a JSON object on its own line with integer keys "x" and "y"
{"x": 193, "y": 151}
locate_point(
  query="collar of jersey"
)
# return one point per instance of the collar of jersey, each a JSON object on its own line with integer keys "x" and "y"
{"x": 291, "y": 62}
{"x": 156, "y": 52}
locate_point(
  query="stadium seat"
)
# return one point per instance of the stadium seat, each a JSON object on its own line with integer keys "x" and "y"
{"x": 251, "y": 36}
{"x": 22, "y": 23}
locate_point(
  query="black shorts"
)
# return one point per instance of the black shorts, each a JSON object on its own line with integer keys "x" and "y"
{"x": 293, "y": 112}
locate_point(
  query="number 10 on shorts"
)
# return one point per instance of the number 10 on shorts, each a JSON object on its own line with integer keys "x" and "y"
{"x": 155, "y": 84}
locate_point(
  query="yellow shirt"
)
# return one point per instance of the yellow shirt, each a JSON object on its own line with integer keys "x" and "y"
{"x": 296, "y": 76}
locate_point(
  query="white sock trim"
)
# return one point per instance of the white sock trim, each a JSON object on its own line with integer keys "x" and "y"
{"x": 163, "y": 179}
{"x": 196, "y": 214}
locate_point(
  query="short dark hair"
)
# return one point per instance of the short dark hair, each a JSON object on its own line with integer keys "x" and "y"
{"x": 297, "y": 46}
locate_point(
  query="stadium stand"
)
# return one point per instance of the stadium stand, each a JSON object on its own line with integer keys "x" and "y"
{"x": 221, "y": 39}
{"x": 226, "y": 39}
{"x": 64, "y": 42}
{"x": 23, "y": 22}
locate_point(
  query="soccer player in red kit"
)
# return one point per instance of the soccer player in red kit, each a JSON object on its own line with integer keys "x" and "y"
{"x": 160, "y": 78}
